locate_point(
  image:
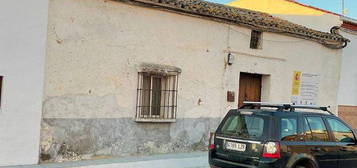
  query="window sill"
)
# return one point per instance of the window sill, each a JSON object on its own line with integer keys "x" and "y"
{"x": 154, "y": 120}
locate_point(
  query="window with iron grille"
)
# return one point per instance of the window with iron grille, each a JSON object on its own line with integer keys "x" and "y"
{"x": 255, "y": 39}
{"x": 156, "y": 97}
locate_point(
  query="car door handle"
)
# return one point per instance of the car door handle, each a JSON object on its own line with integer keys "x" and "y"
{"x": 343, "y": 149}
{"x": 317, "y": 149}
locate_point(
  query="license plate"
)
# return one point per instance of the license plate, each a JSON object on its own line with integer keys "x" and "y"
{"x": 236, "y": 146}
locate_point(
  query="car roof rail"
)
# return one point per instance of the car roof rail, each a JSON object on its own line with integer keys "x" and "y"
{"x": 326, "y": 109}
{"x": 284, "y": 106}
{"x": 279, "y": 106}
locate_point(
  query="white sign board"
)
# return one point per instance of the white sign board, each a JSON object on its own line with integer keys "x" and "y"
{"x": 305, "y": 88}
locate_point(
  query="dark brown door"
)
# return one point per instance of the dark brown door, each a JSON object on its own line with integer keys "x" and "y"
{"x": 250, "y": 86}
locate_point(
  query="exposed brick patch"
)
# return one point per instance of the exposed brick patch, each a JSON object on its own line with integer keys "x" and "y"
{"x": 348, "y": 114}
{"x": 350, "y": 26}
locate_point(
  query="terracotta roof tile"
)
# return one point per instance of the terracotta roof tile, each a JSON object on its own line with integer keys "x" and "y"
{"x": 247, "y": 18}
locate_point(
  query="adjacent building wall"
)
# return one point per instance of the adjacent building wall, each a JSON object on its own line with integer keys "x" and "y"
{"x": 348, "y": 84}
{"x": 94, "y": 49}
{"x": 347, "y": 96}
{"x": 23, "y": 30}
{"x": 293, "y": 11}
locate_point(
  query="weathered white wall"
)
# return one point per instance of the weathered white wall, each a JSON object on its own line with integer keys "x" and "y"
{"x": 348, "y": 82}
{"x": 23, "y": 27}
{"x": 94, "y": 48}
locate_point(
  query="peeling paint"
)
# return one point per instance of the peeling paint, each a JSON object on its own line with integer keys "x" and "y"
{"x": 76, "y": 139}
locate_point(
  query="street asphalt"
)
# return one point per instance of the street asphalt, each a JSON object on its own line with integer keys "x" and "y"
{"x": 180, "y": 160}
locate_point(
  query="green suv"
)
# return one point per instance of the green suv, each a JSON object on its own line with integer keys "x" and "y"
{"x": 262, "y": 135}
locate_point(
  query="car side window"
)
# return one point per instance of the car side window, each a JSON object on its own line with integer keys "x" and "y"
{"x": 307, "y": 131}
{"x": 318, "y": 129}
{"x": 341, "y": 132}
{"x": 288, "y": 129}
{"x": 231, "y": 124}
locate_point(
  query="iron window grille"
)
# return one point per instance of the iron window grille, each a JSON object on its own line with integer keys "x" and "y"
{"x": 156, "y": 97}
{"x": 255, "y": 39}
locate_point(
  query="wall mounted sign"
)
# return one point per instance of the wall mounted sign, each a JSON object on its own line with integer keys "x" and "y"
{"x": 305, "y": 88}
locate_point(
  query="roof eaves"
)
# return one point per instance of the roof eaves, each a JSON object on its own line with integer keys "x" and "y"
{"x": 244, "y": 17}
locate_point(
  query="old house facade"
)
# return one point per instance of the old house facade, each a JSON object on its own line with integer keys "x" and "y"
{"x": 141, "y": 76}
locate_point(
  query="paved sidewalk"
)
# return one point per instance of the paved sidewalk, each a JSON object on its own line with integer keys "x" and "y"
{"x": 181, "y": 160}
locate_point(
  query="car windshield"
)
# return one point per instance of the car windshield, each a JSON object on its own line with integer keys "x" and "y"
{"x": 243, "y": 126}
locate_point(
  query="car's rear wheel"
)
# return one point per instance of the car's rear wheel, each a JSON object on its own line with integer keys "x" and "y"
{"x": 305, "y": 164}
